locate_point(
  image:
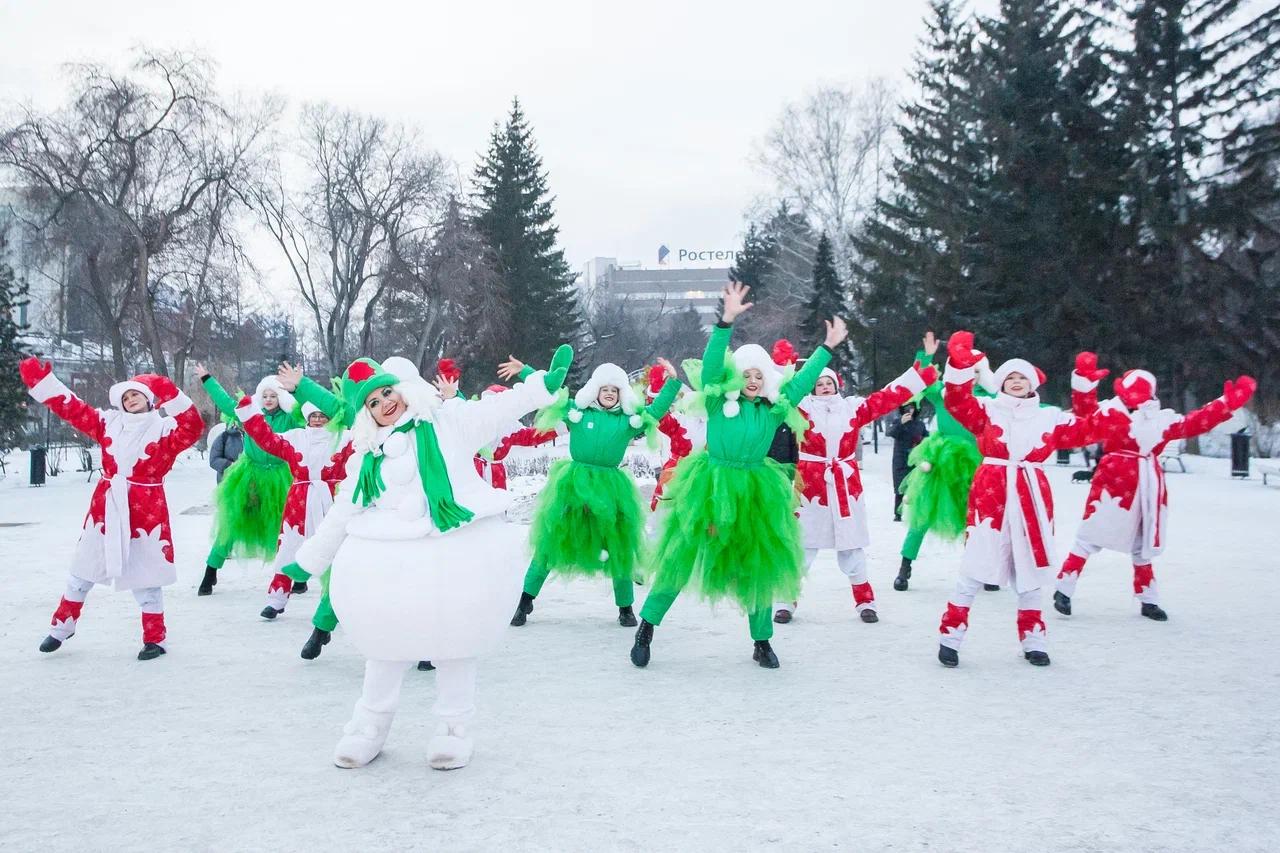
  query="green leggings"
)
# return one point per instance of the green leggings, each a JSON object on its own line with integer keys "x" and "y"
{"x": 624, "y": 594}
{"x": 659, "y": 601}
{"x": 324, "y": 618}
{"x": 911, "y": 545}
{"x": 217, "y": 556}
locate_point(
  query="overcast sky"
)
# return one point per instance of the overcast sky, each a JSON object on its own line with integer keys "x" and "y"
{"x": 645, "y": 113}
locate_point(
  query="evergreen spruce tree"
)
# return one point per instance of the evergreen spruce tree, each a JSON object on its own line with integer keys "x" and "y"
{"x": 827, "y": 301}
{"x": 754, "y": 260}
{"x": 13, "y": 394}
{"x": 514, "y": 213}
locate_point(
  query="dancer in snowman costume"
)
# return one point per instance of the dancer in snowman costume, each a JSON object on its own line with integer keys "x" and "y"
{"x": 424, "y": 566}
{"x": 126, "y": 540}
{"x": 1128, "y": 505}
{"x": 833, "y": 511}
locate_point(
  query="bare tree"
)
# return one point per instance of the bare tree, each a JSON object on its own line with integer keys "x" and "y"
{"x": 369, "y": 189}
{"x": 136, "y": 151}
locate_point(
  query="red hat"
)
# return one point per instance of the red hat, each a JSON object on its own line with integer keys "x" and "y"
{"x": 784, "y": 353}
{"x": 1135, "y": 387}
{"x": 449, "y": 369}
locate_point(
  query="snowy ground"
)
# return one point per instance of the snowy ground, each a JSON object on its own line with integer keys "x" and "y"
{"x": 1140, "y": 736}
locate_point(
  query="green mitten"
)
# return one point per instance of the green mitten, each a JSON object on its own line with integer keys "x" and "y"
{"x": 562, "y": 359}
{"x": 553, "y": 379}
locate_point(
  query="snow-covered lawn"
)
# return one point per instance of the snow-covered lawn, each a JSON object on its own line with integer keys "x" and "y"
{"x": 1140, "y": 736}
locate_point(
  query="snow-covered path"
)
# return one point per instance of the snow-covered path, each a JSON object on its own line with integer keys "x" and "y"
{"x": 1140, "y": 736}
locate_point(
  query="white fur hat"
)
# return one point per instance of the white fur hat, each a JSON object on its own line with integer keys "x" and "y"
{"x": 116, "y": 393}
{"x": 309, "y": 409}
{"x": 608, "y": 374}
{"x": 1018, "y": 365}
{"x": 287, "y": 402}
{"x": 419, "y": 394}
{"x": 750, "y": 356}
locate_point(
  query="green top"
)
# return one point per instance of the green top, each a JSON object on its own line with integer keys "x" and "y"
{"x": 310, "y": 391}
{"x": 601, "y": 437}
{"x": 745, "y": 438}
{"x": 279, "y": 421}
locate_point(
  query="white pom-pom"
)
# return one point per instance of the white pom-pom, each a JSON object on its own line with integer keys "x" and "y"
{"x": 575, "y": 415}
{"x": 926, "y": 467}
{"x": 732, "y": 395}
{"x": 636, "y": 421}
{"x": 731, "y": 409}
{"x": 604, "y": 556}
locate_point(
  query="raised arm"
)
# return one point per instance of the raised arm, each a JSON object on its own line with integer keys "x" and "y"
{"x": 185, "y": 423}
{"x": 900, "y": 390}
{"x": 48, "y": 390}
{"x": 477, "y": 421}
{"x": 958, "y": 381}
{"x": 255, "y": 424}
{"x": 1199, "y": 421}
{"x": 305, "y": 390}
{"x": 222, "y": 401}
{"x": 1084, "y": 384}
{"x": 666, "y": 397}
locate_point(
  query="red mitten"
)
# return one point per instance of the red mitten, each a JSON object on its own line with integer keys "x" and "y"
{"x": 161, "y": 386}
{"x": 1238, "y": 393}
{"x": 960, "y": 351}
{"x": 245, "y": 400}
{"x": 928, "y": 375}
{"x": 33, "y": 370}
{"x": 1087, "y": 366}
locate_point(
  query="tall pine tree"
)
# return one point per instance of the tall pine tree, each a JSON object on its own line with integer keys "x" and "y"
{"x": 513, "y": 210}
{"x": 13, "y": 394}
{"x": 826, "y": 301}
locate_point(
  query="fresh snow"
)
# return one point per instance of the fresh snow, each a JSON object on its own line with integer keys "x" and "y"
{"x": 1140, "y": 736}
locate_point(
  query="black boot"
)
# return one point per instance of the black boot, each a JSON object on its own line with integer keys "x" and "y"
{"x": 904, "y": 575}
{"x": 299, "y": 588}
{"x": 869, "y": 615}
{"x": 782, "y": 617}
{"x": 991, "y": 587}
{"x": 523, "y": 609}
{"x": 1062, "y": 603}
{"x": 1037, "y": 658}
{"x": 270, "y": 612}
{"x": 425, "y": 666}
{"x": 150, "y": 650}
{"x": 51, "y": 644}
{"x": 640, "y": 651}
{"x": 764, "y": 655}
{"x": 209, "y": 582}
{"x": 1153, "y": 611}
{"x": 627, "y": 617}
{"x": 948, "y": 656}
{"x": 317, "y": 641}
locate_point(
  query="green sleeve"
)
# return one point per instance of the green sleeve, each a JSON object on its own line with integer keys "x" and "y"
{"x": 662, "y": 403}
{"x": 310, "y": 391}
{"x": 526, "y": 372}
{"x": 713, "y": 358}
{"x": 221, "y": 399}
{"x": 801, "y": 385}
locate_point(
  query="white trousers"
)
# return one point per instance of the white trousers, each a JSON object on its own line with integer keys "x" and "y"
{"x": 1144, "y": 578}
{"x": 455, "y": 690}
{"x": 150, "y": 599}
{"x": 853, "y": 562}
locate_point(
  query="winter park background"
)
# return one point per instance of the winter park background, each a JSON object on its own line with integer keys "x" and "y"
{"x": 246, "y": 184}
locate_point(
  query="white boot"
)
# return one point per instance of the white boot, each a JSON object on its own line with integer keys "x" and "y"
{"x": 450, "y": 748}
{"x": 362, "y": 738}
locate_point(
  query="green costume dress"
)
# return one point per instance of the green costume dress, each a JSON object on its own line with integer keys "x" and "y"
{"x": 590, "y": 518}
{"x": 731, "y": 528}
{"x": 249, "y": 502}
{"x": 937, "y": 501}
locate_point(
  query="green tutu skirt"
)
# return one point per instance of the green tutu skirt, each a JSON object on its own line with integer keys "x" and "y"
{"x": 248, "y": 506}
{"x": 732, "y": 531}
{"x": 589, "y": 521}
{"x": 937, "y": 500}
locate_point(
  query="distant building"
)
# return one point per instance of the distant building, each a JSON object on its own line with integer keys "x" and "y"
{"x": 664, "y": 290}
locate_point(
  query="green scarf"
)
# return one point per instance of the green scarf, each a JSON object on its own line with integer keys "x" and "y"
{"x": 445, "y": 512}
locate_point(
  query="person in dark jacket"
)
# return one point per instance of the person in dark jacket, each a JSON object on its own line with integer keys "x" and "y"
{"x": 225, "y": 449}
{"x": 906, "y": 434}
{"x": 785, "y": 449}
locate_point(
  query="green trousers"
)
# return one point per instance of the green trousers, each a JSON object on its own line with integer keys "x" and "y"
{"x": 911, "y": 545}
{"x": 659, "y": 601}
{"x": 324, "y": 618}
{"x": 624, "y": 594}
{"x": 217, "y": 556}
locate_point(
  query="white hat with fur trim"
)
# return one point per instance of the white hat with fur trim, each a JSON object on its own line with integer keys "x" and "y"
{"x": 609, "y": 374}
{"x": 287, "y": 401}
{"x": 1019, "y": 365}
{"x": 116, "y": 393}
{"x": 745, "y": 358}
{"x": 412, "y": 385}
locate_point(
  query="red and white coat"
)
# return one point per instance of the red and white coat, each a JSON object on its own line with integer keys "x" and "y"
{"x": 832, "y": 511}
{"x": 126, "y": 540}
{"x": 494, "y": 471}
{"x": 317, "y": 458}
{"x": 1010, "y": 518}
{"x": 1128, "y": 505}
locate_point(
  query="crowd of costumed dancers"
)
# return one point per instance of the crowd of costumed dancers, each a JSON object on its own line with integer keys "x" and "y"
{"x": 390, "y": 490}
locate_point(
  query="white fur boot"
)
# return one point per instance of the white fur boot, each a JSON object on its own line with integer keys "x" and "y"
{"x": 450, "y": 748}
{"x": 362, "y": 738}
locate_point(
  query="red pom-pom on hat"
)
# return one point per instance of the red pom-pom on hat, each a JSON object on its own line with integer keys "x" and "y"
{"x": 359, "y": 370}
{"x": 657, "y": 377}
{"x": 448, "y": 368}
{"x": 784, "y": 353}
